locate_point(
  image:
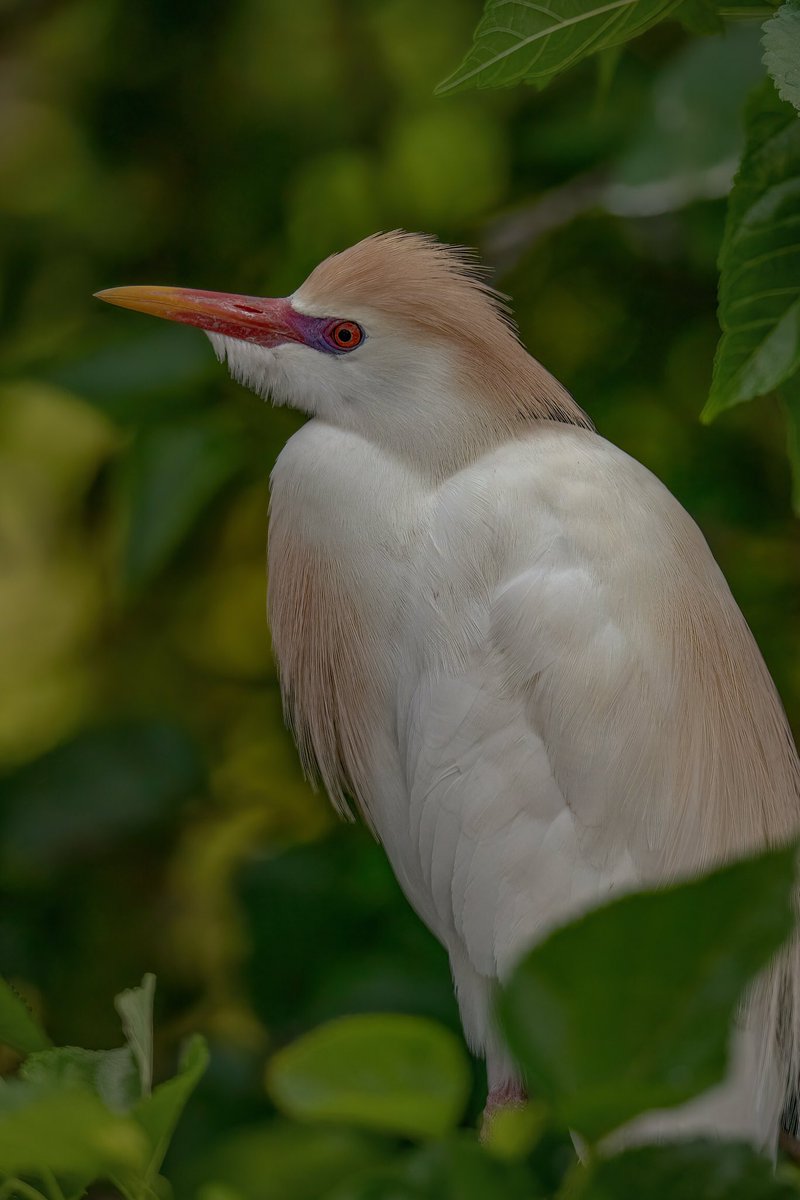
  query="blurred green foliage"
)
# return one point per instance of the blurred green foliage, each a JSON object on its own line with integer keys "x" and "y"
{"x": 151, "y": 811}
{"x": 595, "y": 1057}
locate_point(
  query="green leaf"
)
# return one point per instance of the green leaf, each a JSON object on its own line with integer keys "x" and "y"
{"x": 158, "y": 1113}
{"x": 454, "y": 1169}
{"x": 713, "y": 1170}
{"x": 671, "y": 1001}
{"x": 65, "y": 1130}
{"x": 279, "y": 1160}
{"x": 18, "y": 1029}
{"x": 782, "y": 51}
{"x": 790, "y": 394}
{"x": 518, "y": 41}
{"x": 514, "y": 1131}
{"x": 759, "y": 290}
{"x": 458, "y": 1168}
{"x": 171, "y": 474}
{"x": 110, "y": 1074}
{"x": 403, "y": 1074}
{"x": 135, "y": 1007}
{"x": 93, "y": 790}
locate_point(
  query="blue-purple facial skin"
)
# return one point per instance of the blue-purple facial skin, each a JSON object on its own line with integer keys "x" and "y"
{"x": 316, "y": 333}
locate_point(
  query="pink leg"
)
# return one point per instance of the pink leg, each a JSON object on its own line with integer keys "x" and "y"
{"x": 510, "y": 1094}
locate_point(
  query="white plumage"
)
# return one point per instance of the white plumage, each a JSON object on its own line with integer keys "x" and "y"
{"x": 508, "y": 643}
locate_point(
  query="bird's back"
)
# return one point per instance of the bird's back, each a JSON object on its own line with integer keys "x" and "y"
{"x": 564, "y": 698}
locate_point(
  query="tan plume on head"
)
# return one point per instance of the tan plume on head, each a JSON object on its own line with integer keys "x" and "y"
{"x": 440, "y": 292}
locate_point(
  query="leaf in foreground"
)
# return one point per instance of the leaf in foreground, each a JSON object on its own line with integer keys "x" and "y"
{"x": 397, "y": 1073}
{"x": 135, "y": 1007}
{"x": 782, "y": 51}
{"x": 159, "y": 1112}
{"x": 759, "y": 288}
{"x": 629, "y": 1008}
{"x": 517, "y": 41}
{"x": 713, "y": 1170}
{"x": 111, "y": 1074}
{"x": 18, "y": 1029}
{"x": 68, "y": 1131}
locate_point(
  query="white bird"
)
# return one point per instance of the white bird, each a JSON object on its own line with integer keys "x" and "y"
{"x": 501, "y": 636}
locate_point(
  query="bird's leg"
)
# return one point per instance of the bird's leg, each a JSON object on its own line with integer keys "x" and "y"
{"x": 508, "y": 1094}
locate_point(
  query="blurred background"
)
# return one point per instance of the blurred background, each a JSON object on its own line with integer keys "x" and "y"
{"x": 152, "y": 816}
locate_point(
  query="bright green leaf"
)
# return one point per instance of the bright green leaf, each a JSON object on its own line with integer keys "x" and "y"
{"x": 518, "y": 41}
{"x": 514, "y": 1131}
{"x": 135, "y": 1007}
{"x": 759, "y": 291}
{"x": 65, "y": 1130}
{"x": 158, "y": 1113}
{"x": 110, "y": 1074}
{"x": 790, "y": 394}
{"x": 171, "y": 474}
{"x": 599, "y": 1028}
{"x": 782, "y": 51}
{"x": 18, "y": 1029}
{"x": 713, "y": 1170}
{"x": 398, "y": 1073}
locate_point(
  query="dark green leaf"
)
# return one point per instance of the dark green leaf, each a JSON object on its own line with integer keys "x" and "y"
{"x": 713, "y": 1170}
{"x": 87, "y": 792}
{"x": 459, "y": 1169}
{"x": 398, "y": 1073}
{"x": 18, "y": 1029}
{"x": 759, "y": 291}
{"x": 142, "y": 378}
{"x": 66, "y": 1130}
{"x": 782, "y": 51}
{"x": 170, "y": 475}
{"x": 135, "y": 1007}
{"x": 790, "y": 394}
{"x": 659, "y": 975}
{"x": 517, "y": 41}
{"x": 280, "y": 1160}
{"x": 674, "y": 158}
{"x": 454, "y": 1169}
{"x": 110, "y": 1074}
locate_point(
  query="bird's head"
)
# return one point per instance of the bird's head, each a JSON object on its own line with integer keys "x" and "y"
{"x": 398, "y": 338}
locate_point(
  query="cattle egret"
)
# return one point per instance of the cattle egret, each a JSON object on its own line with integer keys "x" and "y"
{"x": 500, "y": 636}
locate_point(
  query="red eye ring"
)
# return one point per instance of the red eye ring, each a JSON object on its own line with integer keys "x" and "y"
{"x": 345, "y": 335}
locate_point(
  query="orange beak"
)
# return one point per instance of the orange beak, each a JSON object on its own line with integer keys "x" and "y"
{"x": 248, "y": 318}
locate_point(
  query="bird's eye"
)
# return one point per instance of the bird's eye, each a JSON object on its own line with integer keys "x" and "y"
{"x": 344, "y": 335}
